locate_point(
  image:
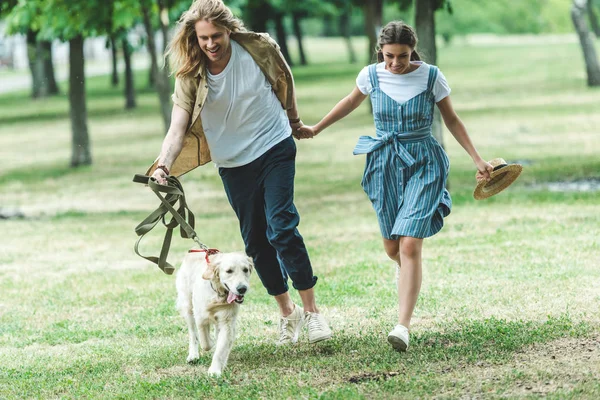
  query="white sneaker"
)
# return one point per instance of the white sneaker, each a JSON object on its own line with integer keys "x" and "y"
{"x": 398, "y": 338}
{"x": 289, "y": 327}
{"x": 318, "y": 328}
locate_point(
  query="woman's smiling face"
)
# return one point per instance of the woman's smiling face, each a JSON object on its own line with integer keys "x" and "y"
{"x": 397, "y": 58}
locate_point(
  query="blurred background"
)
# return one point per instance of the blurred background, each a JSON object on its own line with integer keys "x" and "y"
{"x": 44, "y": 43}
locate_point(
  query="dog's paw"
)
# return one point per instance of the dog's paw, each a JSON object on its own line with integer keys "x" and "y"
{"x": 214, "y": 371}
{"x": 193, "y": 358}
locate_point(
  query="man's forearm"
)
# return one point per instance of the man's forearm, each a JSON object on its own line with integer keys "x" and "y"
{"x": 171, "y": 148}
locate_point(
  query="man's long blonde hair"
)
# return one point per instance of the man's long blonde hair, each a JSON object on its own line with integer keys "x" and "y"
{"x": 185, "y": 55}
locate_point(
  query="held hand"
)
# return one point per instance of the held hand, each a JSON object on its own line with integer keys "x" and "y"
{"x": 484, "y": 169}
{"x": 295, "y": 126}
{"x": 159, "y": 176}
{"x": 305, "y": 132}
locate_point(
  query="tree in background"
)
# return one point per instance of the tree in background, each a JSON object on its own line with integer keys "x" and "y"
{"x": 593, "y": 7}
{"x": 23, "y": 19}
{"x": 70, "y": 21}
{"x": 578, "y": 13}
{"x": 121, "y": 16}
{"x": 425, "y": 27}
{"x": 111, "y": 42}
{"x": 345, "y": 8}
{"x": 150, "y": 10}
{"x": 373, "y": 14}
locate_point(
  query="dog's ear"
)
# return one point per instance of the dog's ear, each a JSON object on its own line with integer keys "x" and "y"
{"x": 212, "y": 268}
{"x": 250, "y": 264}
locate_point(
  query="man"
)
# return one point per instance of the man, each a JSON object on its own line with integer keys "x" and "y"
{"x": 234, "y": 103}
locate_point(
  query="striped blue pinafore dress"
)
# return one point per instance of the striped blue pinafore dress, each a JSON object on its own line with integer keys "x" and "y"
{"x": 406, "y": 168}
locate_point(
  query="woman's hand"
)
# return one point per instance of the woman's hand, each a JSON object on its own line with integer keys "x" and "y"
{"x": 484, "y": 169}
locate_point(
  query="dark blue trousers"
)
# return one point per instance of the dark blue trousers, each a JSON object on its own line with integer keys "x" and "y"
{"x": 262, "y": 196}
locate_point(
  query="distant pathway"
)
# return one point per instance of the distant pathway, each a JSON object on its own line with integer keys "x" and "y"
{"x": 12, "y": 81}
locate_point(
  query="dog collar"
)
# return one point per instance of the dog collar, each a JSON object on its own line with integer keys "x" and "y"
{"x": 209, "y": 252}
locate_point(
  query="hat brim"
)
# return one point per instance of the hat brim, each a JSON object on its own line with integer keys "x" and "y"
{"x": 499, "y": 180}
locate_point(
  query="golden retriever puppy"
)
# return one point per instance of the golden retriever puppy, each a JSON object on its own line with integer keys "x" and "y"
{"x": 210, "y": 288}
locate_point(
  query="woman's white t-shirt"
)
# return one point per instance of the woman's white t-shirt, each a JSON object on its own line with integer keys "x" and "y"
{"x": 403, "y": 87}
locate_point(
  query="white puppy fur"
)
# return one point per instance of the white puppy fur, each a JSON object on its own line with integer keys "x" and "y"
{"x": 209, "y": 295}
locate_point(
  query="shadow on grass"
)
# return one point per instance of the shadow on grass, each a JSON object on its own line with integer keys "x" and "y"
{"x": 41, "y": 173}
{"x": 488, "y": 340}
{"x": 93, "y": 112}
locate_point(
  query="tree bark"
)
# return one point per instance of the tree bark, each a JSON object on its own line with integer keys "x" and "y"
{"x": 296, "y": 18}
{"x": 587, "y": 44}
{"x": 259, "y": 12}
{"x": 36, "y": 65}
{"x": 115, "y": 73}
{"x": 344, "y": 23}
{"x": 282, "y": 37}
{"x": 80, "y": 149}
{"x": 373, "y": 10}
{"x": 328, "y": 26}
{"x": 593, "y": 18}
{"x": 164, "y": 22}
{"x": 49, "y": 77}
{"x": 129, "y": 86}
{"x": 425, "y": 26}
{"x": 161, "y": 77}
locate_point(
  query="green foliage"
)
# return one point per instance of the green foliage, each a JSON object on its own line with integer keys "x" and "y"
{"x": 505, "y": 16}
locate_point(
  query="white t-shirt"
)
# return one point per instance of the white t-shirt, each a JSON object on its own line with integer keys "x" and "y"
{"x": 403, "y": 87}
{"x": 242, "y": 117}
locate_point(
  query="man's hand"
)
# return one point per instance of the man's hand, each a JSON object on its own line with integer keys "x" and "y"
{"x": 305, "y": 132}
{"x": 159, "y": 176}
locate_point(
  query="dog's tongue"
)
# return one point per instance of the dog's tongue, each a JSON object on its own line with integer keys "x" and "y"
{"x": 231, "y": 297}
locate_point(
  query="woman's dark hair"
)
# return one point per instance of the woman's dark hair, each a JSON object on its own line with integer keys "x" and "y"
{"x": 397, "y": 32}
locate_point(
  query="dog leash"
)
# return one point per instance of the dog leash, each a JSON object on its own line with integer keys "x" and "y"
{"x": 171, "y": 195}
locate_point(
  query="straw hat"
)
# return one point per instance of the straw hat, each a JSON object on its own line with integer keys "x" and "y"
{"x": 503, "y": 175}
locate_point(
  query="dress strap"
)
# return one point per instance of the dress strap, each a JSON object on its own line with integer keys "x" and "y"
{"x": 433, "y": 73}
{"x": 373, "y": 76}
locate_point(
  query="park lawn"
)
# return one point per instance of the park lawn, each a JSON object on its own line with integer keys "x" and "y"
{"x": 510, "y": 297}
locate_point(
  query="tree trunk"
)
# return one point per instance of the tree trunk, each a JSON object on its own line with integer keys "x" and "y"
{"x": 129, "y": 86}
{"x": 373, "y": 10}
{"x": 49, "y": 78}
{"x": 425, "y": 26}
{"x": 164, "y": 22}
{"x": 593, "y": 18}
{"x": 296, "y": 18}
{"x": 344, "y": 22}
{"x": 282, "y": 37}
{"x": 259, "y": 12}
{"x": 150, "y": 44}
{"x": 587, "y": 44}
{"x": 36, "y": 65}
{"x": 161, "y": 77}
{"x": 80, "y": 149}
{"x": 328, "y": 26}
{"x": 115, "y": 73}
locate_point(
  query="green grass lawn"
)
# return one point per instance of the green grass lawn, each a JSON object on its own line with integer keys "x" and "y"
{"x": 511, "y": 293}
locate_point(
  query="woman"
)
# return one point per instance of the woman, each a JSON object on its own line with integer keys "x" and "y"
{"x": 406, "y": 168}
